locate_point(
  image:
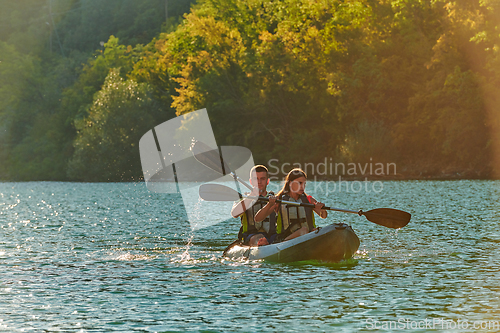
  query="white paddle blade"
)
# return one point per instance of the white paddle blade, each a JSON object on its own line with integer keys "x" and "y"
{"x": 216, "y": 192}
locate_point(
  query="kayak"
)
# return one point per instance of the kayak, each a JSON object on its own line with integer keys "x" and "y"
{"x": 333, "y": 243}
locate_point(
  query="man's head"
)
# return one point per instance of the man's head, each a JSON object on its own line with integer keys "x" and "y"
{"x": 259, "y": 177}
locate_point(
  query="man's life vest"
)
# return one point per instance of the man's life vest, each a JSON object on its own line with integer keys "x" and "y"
{"x": 291, "y": 218}
{"x": 248, "y": 224}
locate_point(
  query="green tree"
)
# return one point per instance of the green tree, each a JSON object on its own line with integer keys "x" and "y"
{"x": 50, "y": 72}
{"x": 106, "y": 147}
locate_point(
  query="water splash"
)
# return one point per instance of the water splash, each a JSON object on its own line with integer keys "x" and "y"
{"x": 184, "y": 257}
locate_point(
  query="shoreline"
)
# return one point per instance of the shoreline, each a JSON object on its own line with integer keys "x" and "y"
{"x": 402, "y": 177}
{"x": 397, "y": 177}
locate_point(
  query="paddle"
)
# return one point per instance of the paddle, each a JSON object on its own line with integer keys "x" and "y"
{"x": 213, "y": 160}
{"x": 387, "y": 217}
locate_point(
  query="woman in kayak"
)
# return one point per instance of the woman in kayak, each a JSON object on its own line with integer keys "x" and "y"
{"x": 292, "y": 221}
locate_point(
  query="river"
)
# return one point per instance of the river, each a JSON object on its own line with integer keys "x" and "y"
{"x": 104, "y": 257}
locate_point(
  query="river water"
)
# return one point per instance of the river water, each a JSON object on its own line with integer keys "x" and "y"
{"x": 115, "y": 257}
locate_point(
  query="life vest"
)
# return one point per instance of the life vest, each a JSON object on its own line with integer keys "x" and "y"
{"x": 288, "y": 222}
{"x": 248, "y": 224}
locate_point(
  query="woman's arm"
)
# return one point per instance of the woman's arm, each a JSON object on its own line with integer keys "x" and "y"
{"x": 317, "y": 208}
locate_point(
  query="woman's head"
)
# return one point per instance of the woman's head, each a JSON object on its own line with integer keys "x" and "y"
{"x": 295, "y": 182}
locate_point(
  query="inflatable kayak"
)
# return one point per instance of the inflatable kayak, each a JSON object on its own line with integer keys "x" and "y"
{"x": 333, "y": 243}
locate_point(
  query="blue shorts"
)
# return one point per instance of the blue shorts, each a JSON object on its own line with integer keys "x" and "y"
{"x": 270, "y": 239}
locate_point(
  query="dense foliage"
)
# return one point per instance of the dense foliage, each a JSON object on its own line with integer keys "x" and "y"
{"x": 409, "y": 82}
{"x": 54, "y": 58}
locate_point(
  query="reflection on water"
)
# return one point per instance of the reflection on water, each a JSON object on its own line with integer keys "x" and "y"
{"x": 115, "y": 257}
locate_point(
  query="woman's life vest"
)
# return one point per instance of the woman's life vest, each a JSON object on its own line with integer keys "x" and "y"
{"x": 291, "y": 218}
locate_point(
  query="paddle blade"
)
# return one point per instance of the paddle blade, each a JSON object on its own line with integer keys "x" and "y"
{"x": 209, "y": 157}
{"x": 216, "y": 192}
{"x": 388, "y": 217}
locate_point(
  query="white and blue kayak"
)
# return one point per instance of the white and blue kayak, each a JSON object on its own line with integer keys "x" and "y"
{"x": 333, "y": 243}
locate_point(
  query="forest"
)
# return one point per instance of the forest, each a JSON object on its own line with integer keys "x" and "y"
{"x": 403, "y": 82}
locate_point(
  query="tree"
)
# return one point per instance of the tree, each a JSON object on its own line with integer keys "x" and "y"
{"x": 106, "y": 147}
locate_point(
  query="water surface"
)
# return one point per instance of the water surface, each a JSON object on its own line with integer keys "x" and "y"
{"x": 116, "y": 257}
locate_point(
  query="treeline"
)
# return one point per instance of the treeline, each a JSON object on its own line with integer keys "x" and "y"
{"x": 411, "y": 82}
{"x": 54, "y": 58}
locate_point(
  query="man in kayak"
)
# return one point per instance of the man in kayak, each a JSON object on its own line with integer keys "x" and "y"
{"x": 252, "y": 233}
{"x": 293, "y": 221}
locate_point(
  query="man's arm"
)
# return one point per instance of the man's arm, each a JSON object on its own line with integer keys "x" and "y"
{"x": 241, "y": 206}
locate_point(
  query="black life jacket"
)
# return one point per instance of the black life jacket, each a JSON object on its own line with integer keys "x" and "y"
{"x": 248, "y": 224}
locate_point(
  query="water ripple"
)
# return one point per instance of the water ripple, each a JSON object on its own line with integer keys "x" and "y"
{"x": 115, "y": 257}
